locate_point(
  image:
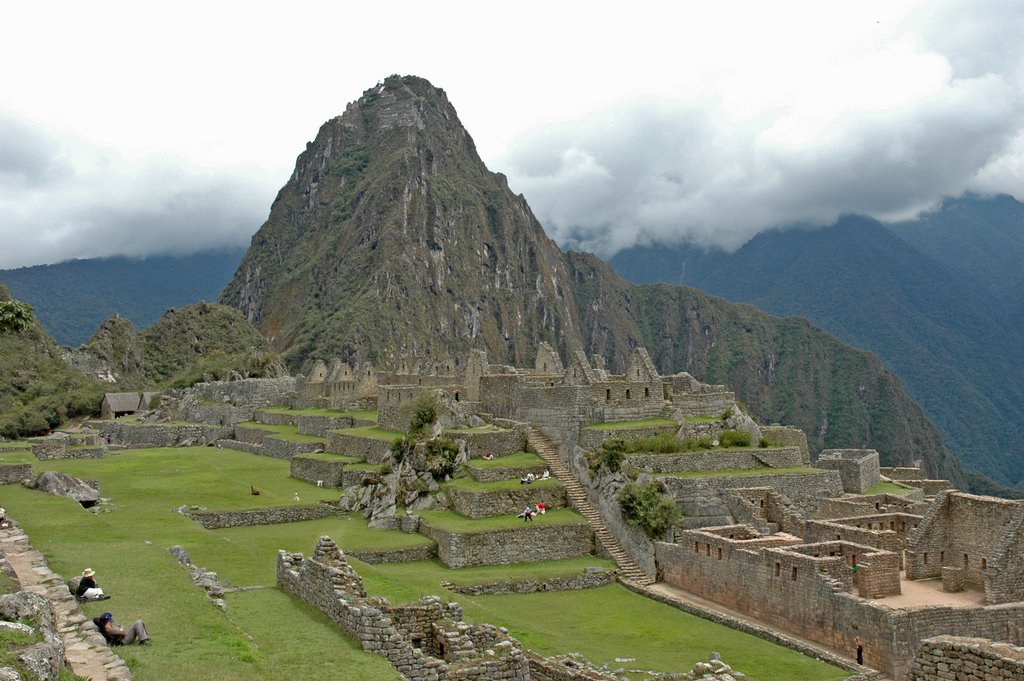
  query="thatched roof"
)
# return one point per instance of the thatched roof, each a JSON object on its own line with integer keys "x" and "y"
{"x": 122, "y": 401}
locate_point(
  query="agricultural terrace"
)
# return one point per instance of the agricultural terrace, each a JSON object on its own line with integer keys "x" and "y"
{"x": 266, "y": 634}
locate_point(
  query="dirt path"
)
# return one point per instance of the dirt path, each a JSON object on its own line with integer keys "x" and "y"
{"x": 84, "y": 649}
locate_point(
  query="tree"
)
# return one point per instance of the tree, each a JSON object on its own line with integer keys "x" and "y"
{"x": 16, "y": 316}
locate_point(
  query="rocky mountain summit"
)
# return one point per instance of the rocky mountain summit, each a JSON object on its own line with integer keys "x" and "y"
{"x": 391, "y": 238}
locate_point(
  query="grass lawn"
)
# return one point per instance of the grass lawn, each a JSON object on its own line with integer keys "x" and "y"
{"x": 315, "y": 411}
{"x": 479, "y": 429}
{"x": 372, "y": 432}
{"x": 515, "y": 460}
{"x": 702, "y": 419}
{"x": 742, "y": 472}
{"x": 16, "y": 444}
{"x": 630, "y": 425}
{"x": 267, "y": 634}
{"x": 17, "y": 456}
{"x": 889, "y": 488}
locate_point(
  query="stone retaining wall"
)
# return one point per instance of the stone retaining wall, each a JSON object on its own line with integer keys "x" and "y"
{"x": 952, "y": 657}
{"x": 259, "y": 392}
{"x": 374, "y": 451}
{"x": 496, "y": 443}
{"x": 213, "y": 520}
{"x": 406, "y": 555}
{"x": 565, "y": 668}
{"x": 533, "y": 542}
{"x": 588, "y": 580}
{"x": 60, "y": 448}
{"x": 310, "y": 469}
{"x": 484, "y": 504}
{"x": 804, "y": 490}
{"x": 320, "y": 426}
{"x": 425, "y": 641}
{"x": 147, "y": 435}
{"x": 217, "y": 414}
{"x": 11, "y": 473}
{"x": 930, "y": 488}
{"x": 281, "y": 448}
{"x": 273, "y": 418}
{"x": 712, "y": 460}
{"x": 250, "y": 434}
{"x": 591, "y": 438}
{"x": 241, "y": 446}
{"x": 499, "y": 473}
{"x": 359, "y": 476}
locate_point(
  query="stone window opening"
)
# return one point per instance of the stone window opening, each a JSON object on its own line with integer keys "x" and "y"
{"x": 707, "y": 549}
{"x": 647, "y": 392}
{"x": 984, "y": 563}
{"x": 762, "y": 503}
{"x": 925, "y": 558}
{"x": 607, "y": 394}
{"x": 839, "y": 537}
{"x": 942, "y": 557}
{"x": 719, "y": 553}
{"x": 696, "y": 547}
{"x": 627, "y": 393}
{"x": 792, "y": 576}
{"x": 778, "y": 569}
{"x": 966, "y": 560}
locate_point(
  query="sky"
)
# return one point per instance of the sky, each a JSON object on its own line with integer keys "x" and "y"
{"x": 130, "y": 128}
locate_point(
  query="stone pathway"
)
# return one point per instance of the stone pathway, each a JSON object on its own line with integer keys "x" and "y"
{"x": 628, "y": 569}
{"x": 85, "y": 651}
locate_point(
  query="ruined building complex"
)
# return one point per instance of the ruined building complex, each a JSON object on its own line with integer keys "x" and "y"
{"x": 821, "y": 551}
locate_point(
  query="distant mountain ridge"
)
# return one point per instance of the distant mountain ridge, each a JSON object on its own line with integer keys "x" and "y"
{"x": 940, "y": 308}
{"x": 73, "y": 298}
{"x": 391, "y": 237}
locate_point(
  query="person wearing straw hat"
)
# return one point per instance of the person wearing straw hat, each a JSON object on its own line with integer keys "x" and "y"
{"x": 87, "y": 589}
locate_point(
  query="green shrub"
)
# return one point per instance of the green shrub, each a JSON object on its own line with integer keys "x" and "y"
{"x": 400, "y": 447}
{"x": 727, "y": 414}
{"x": 734, "y": 438}
{"x": 424, "y": 413}
{"x": 766, "y": 442}
{"x": 645, "y": 507}
{"x": 440, "y": 456}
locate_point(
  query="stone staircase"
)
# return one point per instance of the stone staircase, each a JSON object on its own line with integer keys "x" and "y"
{"x": 577, "y": 497}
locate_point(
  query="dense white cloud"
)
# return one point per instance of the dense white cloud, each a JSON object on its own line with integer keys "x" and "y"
{"x": 887, "y": 132}
{"x": 133, "y": 128}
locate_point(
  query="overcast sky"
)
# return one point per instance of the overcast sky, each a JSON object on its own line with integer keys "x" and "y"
{"x": 135, "y": 128}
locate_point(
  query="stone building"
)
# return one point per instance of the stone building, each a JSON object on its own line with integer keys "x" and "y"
{"x": 124, "y": 404}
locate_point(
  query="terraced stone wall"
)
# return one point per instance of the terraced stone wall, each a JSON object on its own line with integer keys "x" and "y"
{"x": 213, "y": 520}
{"x": 330, "y": 473}
{"x": 147, "y": 435}
{"x": 591, "y": 579}
{"x": 11, "y": 473}
{"x": 534, "y": 542}
{"x": 258, "y": 392}
{"x": 218, "y": 414}
{"x": 374, "y": 451}
{"x": 495, "y": 443}
{"x": 499, "y": 473}
{"x": 713, "y": 460}
{"x": 591, "y": 438}
{"x": 952, "y": 657}
{"x": 476, "y": 504}
{"x": 62, "y": 448}
{"x": 803, "y": 490}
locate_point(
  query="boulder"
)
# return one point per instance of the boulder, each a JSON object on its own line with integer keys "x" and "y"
{"x": 63, "y": 485}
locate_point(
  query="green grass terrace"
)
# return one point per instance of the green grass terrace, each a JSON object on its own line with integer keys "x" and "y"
{"x": 453, "y": 522}
{"x": 371, "y": 432}
{"x": 334, "y": 458}
{"x": 267, "y": 635}
{"x": 889, "y": 488}
{"x": 471, "y": 485}
{"x": 514, "y": 460}
{"x": 631, "y": 425}
{"x": 283, "y": 432}
{"x": 368, "y": 415}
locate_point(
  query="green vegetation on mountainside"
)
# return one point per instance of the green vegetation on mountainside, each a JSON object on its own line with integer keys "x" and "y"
{"x": 38, "y": 390}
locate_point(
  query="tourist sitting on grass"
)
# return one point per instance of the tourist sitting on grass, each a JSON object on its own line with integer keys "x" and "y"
{"x": 547, "y": 474}
{"x": 527, "y": 514}
{"x": 5, "y": 522}
{"x": 118, "y": 636}
{"x": 541, "y": 508}
{"x": 488, "y": 457}
{"x": 530, "y": 477}
{"x": 87, "y": 589}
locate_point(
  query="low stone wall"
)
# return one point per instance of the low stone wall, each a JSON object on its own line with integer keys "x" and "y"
{"x": 60, "y": 448}
{"x": 496, "y": 443}
{"x": 374, "y": 451}
{"x": 147, "y": 435}
{"x": 788, "y": 436}
{"x": 250, "y": 434}
{"x": 591, "y": 438}
{"x": 484, "y": 504}
{"x": 217, "y": 414}
{"x": 804, "y": 490}
{"x": 849, "y": 506}
{"x": 712, "y": 460}
{"x": 930, "y": 488}
{"x": 898, "y": 474}
{"x": 531, "y": 543}
{"x": 11, "y": 473}
{"x": 320, "y": 426}
{"x": 280, "y": 448}
{"x": 272, "y": 418}
{"x": 425, "y": 641}
{"x": 240, "y": 446}
{"x": 499, "y": 473}
{"x": 407, "y": 555}
{"x": 260, "y": 392}
{"x": 591, "y": 579}
{"x": 952, "y": 657}
{"x": 274, "y": 515}
{"x": 311, "y": 469}
{"x": 565, "y": 668}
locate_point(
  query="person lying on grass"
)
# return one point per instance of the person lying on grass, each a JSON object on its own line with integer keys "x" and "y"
{"x": 118, "y": 636}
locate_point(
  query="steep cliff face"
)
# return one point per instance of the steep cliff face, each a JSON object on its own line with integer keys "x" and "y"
{"x": 392, "y": 237}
